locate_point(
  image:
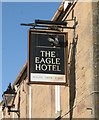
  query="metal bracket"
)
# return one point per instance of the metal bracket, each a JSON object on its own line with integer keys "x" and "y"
{"x": 75, "y": 23}
{"x": 50, "y": 25}
{"x": 16, "y": 111}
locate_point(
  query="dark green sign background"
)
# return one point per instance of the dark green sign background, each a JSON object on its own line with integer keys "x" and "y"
{"x": 45, "y": 57}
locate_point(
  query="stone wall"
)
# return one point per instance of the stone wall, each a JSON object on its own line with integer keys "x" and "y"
{"x": 78, "y": 99}
{"x": 81, "y": 69}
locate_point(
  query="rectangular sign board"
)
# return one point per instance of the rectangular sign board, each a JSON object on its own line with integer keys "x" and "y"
{"x": 47, "y": 59}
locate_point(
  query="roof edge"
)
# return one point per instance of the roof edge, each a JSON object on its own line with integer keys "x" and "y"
{"x": 58, "y": 12}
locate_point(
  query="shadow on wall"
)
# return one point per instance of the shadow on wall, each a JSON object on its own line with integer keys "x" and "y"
{"x": 18, "y": 106}
{"x": 72, "y": 79}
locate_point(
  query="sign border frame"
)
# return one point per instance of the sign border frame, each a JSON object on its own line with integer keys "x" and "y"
{"x": 66, "y": 62}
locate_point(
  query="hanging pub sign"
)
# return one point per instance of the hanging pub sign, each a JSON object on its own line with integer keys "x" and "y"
{"x": 47, "y": 59}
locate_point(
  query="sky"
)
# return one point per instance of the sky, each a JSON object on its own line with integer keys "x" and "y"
{"x": 14, "y": 38}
